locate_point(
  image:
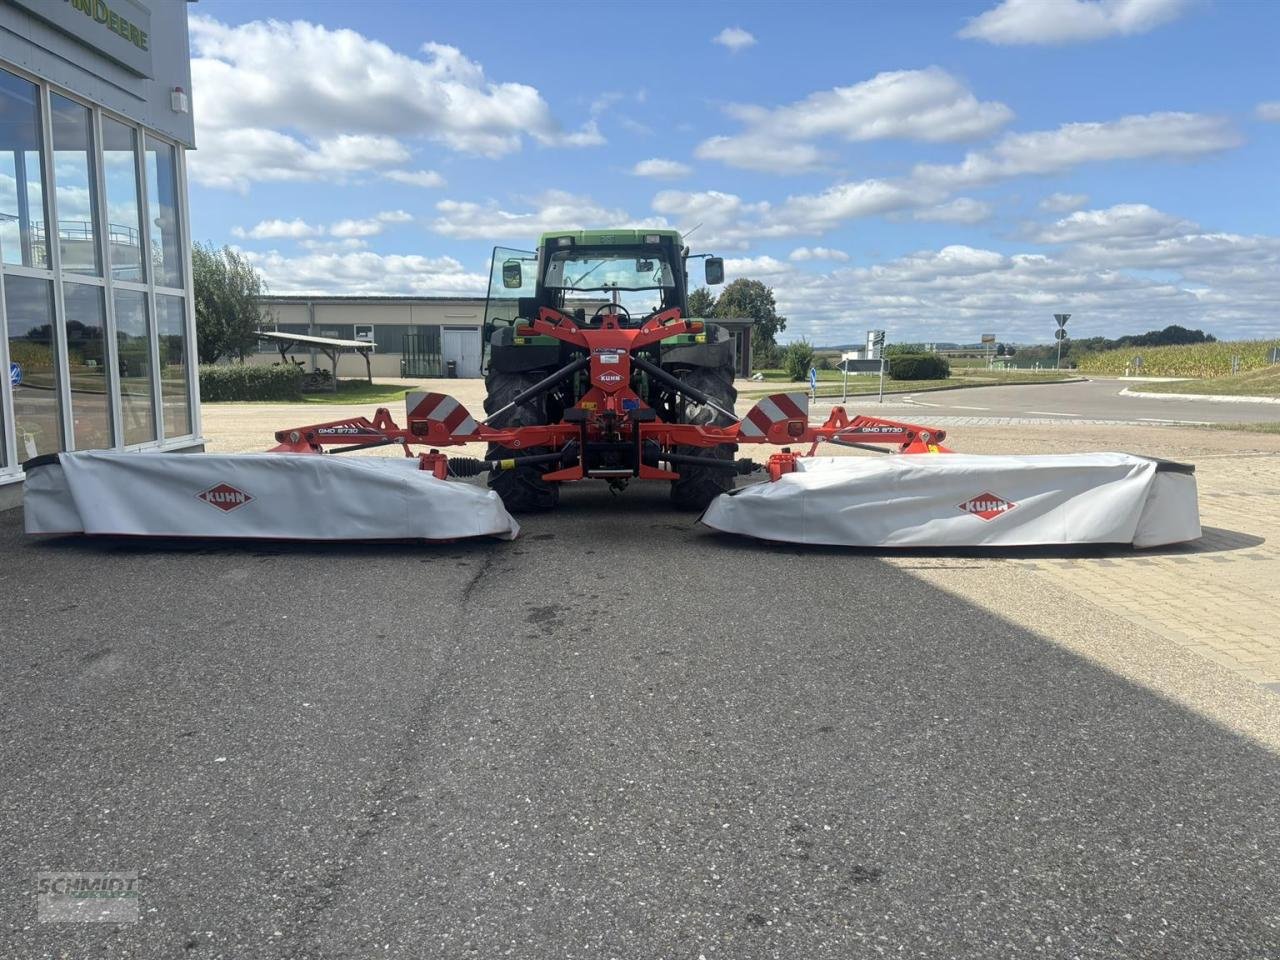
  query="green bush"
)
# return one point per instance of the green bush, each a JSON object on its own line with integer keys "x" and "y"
{"x": 239, "y": 381}
{"x": 918, "y": 366}
{"x": 797, "y": 358}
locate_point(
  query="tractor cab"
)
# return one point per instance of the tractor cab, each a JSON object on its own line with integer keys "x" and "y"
{"x": 588, "y": 274}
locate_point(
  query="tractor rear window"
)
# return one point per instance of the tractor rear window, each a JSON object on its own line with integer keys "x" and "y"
{"x": 599, "y": 270}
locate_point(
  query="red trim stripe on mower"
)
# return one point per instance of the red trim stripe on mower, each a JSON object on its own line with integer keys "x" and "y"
{"x": 441, "y": 408}
{"x": 775, "y": 408}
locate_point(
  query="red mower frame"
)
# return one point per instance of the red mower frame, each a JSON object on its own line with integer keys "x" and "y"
{"x": 609, "y": 416}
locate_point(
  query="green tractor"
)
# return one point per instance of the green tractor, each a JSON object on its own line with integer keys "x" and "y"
{"x": 595, "y": 278}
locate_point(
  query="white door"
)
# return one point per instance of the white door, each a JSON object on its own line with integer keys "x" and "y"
{"x": 462, "y": 347}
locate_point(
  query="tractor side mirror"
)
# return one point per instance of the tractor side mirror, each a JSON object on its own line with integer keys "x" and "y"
{"x": 714, "y": 271}
{"x": 512, "y": 278}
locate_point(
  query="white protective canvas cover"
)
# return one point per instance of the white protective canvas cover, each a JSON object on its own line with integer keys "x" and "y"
{"x": 953, "y": 500}
{"x": 257, "y": 496}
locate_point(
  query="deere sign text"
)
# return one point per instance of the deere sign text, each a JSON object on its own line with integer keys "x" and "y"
{"x": 113, "y": 21}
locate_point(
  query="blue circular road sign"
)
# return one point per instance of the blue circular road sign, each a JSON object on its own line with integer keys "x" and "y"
{"x": 15, "y": 374}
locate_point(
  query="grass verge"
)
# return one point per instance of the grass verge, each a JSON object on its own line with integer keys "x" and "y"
{"x": 1252, "y": 383}
{"x": 1271, "y": 427}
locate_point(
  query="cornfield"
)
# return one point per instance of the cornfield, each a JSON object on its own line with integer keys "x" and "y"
{"x": 1191, "y": 360}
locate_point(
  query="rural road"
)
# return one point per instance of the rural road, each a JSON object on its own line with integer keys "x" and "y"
{"x": 1087, "y": 400}
{"x": 619, "y": 736}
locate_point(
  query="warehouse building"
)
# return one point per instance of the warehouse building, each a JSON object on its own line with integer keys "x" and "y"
{"x": 413, "y": 336}
{"x": 95, "y": 285}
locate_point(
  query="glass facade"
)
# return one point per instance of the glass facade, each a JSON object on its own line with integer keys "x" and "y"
{"x": 94, "y": 303}
{"x": 23, "y": 239}
{"x": 28, "y": 309}
{"x": 137, "y": 394}
{"x": 86, "y": 325}
{"x": 171, "y": 327}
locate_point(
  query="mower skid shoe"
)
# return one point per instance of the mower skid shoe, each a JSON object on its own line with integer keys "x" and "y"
{"x": 963, "y": 500}
{"x": 267, "y": 496}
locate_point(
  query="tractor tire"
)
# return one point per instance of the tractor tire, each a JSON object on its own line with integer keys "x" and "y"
{"x": 522, "y": 490}
{"x": 698, "y": 486}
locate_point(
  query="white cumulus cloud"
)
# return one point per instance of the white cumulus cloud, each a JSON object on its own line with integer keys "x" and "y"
{"x": 552, "y": 210}
{"x": 735, "y": 38}
{"x": 803, "y": 254}
{"x": 415, "y": 178}
{"x": 367, "y": 273}
{"x": 299, "y": 101}
{"x": 660, "y": 169}
{"x": 369, "y": 226}
{"x": 1269, "y": 111}
{"x": 928, "y": 105}
{"x": 294, "y": 229}
{"x": 1069, "y": 21}
{"x": 1049, "y": 151}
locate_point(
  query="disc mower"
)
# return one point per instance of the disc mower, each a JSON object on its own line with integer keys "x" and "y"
{"x": 584, "y": 385}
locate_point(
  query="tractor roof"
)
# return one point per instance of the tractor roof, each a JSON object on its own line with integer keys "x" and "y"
{"x": 612, "y": 238}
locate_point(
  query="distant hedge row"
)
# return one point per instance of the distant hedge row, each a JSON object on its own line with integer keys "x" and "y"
{"x": 918, "y": 366}
{"x": 238, "y": 381}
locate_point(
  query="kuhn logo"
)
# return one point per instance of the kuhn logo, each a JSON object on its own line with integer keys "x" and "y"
{"x": 225, "y": 497}
{"x": 987, "y": 506}
{"x": 610, "y": 377}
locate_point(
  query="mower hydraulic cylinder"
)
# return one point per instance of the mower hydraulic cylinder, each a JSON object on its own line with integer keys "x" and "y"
{"x": 675, "y": 383}
{"x": 543, "y": 385}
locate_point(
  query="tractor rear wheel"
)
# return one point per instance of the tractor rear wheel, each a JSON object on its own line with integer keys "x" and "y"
{"x": 522, "y": 490}
{"x": 698, "y": 486}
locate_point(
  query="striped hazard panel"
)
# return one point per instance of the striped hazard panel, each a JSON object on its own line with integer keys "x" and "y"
{"x": 772, "y": 410}
{"x": 441, "y": 408}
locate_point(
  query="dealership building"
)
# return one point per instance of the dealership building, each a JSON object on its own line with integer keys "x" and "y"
{"x": 412, "y": 336}
{"x": 95, "y": 271}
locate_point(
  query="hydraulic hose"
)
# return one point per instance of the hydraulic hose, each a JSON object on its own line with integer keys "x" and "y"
{"x": 543, "y": 385}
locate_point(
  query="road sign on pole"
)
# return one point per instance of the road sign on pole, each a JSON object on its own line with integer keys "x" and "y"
{"x": 15, "y": 374}
{"x": 1060, "y": 334}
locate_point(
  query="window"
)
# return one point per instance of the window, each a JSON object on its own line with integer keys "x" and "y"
{"x": 162, "y": 204}
{"x": 23, "y": 239}
{"x": 364, "y": 331}
{"x": 124, "y": 226}
{"x": 133, "y": 332}
{"x": 37, "y": 414}
{"x": 171, "y": 327}
{"x": 87, "y": 366}
{"x": 74, "y": 186}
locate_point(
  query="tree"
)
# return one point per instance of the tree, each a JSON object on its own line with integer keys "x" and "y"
{"x": 752, "y": 299}
{"x": 702, "y": 303}
{"x": 228, "y": 313}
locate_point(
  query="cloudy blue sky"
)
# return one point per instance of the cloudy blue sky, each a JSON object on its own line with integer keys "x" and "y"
{"x": 937, "y": 169}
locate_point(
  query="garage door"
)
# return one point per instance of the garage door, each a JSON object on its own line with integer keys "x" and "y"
{"x": 463, "y": 347}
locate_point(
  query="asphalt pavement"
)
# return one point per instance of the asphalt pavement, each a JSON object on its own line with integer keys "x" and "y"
{"x": 1080, "y": 400}
{"x": 621, "y": 736}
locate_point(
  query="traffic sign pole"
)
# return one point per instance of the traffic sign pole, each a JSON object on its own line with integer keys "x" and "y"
{"x": 1061, "y": 334}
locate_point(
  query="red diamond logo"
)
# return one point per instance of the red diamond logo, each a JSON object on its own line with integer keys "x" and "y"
{"x": 987, "y": 506}
{"x": 225, "y": 497}
{"x": 609, "y": 377}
